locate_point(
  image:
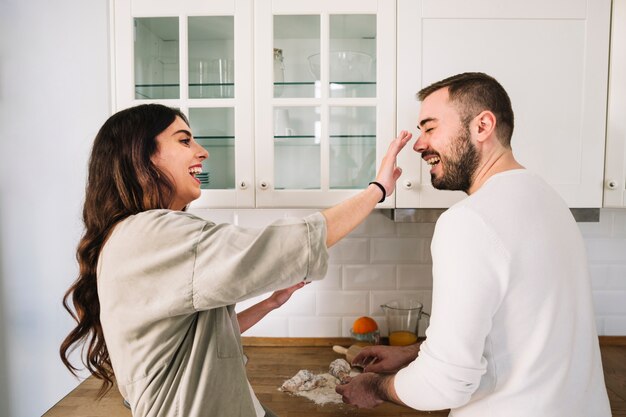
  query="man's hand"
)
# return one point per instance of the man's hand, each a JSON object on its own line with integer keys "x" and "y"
{"x": 363, "y": 391}
{"x": 385, "y": 359}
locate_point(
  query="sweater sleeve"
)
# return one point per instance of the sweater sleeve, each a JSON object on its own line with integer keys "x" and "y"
{"x": 470, "y": 270}
{"x": 234, "y": 263}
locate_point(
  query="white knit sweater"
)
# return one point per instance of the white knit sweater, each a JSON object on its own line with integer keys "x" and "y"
{"x": 512, "y": 330}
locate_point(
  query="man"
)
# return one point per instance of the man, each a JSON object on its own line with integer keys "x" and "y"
{"x": 512, "y": 331}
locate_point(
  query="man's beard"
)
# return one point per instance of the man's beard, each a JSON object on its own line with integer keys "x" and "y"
{"x": 460, "y": 164}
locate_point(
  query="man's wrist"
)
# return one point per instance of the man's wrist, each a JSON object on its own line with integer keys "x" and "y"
{"x": 381, "y": 387}
{"x": 413, "y": 350}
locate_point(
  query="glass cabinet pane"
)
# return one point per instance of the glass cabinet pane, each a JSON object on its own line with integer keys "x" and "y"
{"x": 352, "y": 57}
{"x": 352, "y": 146}
{"x": 211, "y": 52}
{"x": 214, "y": 129}
{"x": 296, "y": 44}
{"x": 297, "y": 148}
{"x": 156, "y": 58}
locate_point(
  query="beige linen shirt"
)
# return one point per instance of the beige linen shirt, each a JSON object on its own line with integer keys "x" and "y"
{"x": 167, "y": 285}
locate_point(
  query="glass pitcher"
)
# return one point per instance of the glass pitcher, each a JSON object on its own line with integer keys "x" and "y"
{"x": 403, "y": 318}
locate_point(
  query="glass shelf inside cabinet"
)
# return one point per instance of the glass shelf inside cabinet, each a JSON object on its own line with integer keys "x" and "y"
{"x": 297, "y": 148}
{"x": 352, "y": 147}
{"x": 352, "y": 57}
{"x": 295, "y": 38}
{"x": 211, "y": 52}
{"x": 156, "y": 56}
{"x": 213, "y": 129}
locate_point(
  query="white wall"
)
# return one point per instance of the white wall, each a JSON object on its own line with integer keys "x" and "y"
{"x": 54, "y": 95}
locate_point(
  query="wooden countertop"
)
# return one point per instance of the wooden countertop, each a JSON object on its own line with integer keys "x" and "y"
{"x": 269, "y": 366}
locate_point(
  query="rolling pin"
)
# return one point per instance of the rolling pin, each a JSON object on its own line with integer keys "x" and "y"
{"x": 350, "y": 352}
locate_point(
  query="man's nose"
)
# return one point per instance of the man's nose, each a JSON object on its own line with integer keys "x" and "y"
{"x": 419, "y": 145}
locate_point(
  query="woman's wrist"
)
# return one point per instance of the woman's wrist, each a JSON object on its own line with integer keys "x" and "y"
{"x": 379, "y": 186}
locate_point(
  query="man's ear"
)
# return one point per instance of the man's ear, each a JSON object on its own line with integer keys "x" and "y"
{"x": 485, "y": 125}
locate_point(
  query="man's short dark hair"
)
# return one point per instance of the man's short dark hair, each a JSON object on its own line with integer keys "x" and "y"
{"x": 473, "y": 92}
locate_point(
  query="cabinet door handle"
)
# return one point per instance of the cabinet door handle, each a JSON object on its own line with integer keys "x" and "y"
{"x": 243, "y": 185}
{"x": 408, "y": 184}
{"x": 612, "y": 184}
{"x": 264, "y": 185}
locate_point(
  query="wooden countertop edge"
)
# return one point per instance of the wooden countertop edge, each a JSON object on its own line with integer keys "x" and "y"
{"x": 296, "y": 341}
{"x": 613, "y": 340}
{"x": 346, "y": 341}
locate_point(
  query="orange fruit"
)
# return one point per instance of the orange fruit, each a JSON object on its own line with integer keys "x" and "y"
{"x": 364, "y": 325}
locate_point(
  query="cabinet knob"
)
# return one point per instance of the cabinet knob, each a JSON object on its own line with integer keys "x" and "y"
{"x": 263, "y": 185}
{"x": 408, "y": 184}
{"x": 612, "y": 184}
{"x": 243, "y": 185}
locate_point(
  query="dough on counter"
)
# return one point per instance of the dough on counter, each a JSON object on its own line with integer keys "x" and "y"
{"x": 319, "y": 388}
{"x": 340, "y": 369}
{"x": 304, "y": 380}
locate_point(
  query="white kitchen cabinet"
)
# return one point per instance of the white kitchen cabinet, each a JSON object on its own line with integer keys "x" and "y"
{"x": 297, "y": 101}
{"x": 297, "y": 114}
{"x": 195, "y": 55}
{"x": 615, "y": 171}
{"x": 324, "y": 98}
{"x": 551, "y": 57}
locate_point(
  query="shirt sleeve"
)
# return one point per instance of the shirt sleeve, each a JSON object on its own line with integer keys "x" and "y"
{"x": 470, "y": 270}
{"x": 235, "y": 263}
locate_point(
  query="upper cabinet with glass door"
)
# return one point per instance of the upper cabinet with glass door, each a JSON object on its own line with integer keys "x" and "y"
{"x": 325, "y": 98}
{"x": 196, "y": 56}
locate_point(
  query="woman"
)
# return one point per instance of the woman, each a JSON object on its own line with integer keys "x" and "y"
{"x": 154, "y": 300}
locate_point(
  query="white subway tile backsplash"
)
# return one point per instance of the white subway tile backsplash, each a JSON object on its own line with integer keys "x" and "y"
{"x": 600, "y": 325}
{"x": 415, "y": 277}
{"x": 415, "y": 229}
{"x": 608, "y": 303}
{"x": 619, "y": 223}
{"x": 382, "y": 260}
{"x": 315, "y": 327}
{"x": 269, "y": 327}
{"x": 616, "y": 278}
{"x": 606, "y": 250}
{"x": 332, "y": 280}
{"x": 369, "y": 277}
{"x": 377, "y": 224}
{"x": 342, "y": 303}
{"x": 349, "y": 251}
{"x": 301, "y": 303}
{"x": 599, "y": 275}
{"x": 614, "y": 326}
{"x": 395, "y": 250}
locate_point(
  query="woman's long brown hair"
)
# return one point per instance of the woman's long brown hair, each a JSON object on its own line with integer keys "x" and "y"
{"x": 122, "y": 181}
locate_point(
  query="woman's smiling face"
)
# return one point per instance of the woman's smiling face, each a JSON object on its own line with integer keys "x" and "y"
{"x": 180, "y": 157}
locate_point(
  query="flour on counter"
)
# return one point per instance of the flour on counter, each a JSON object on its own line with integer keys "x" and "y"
{"x": 324, "y": 394}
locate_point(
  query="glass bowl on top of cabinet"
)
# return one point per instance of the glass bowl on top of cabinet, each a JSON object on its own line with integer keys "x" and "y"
{"x": 195, "y": 56}
{"x": 324, "y": 99}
